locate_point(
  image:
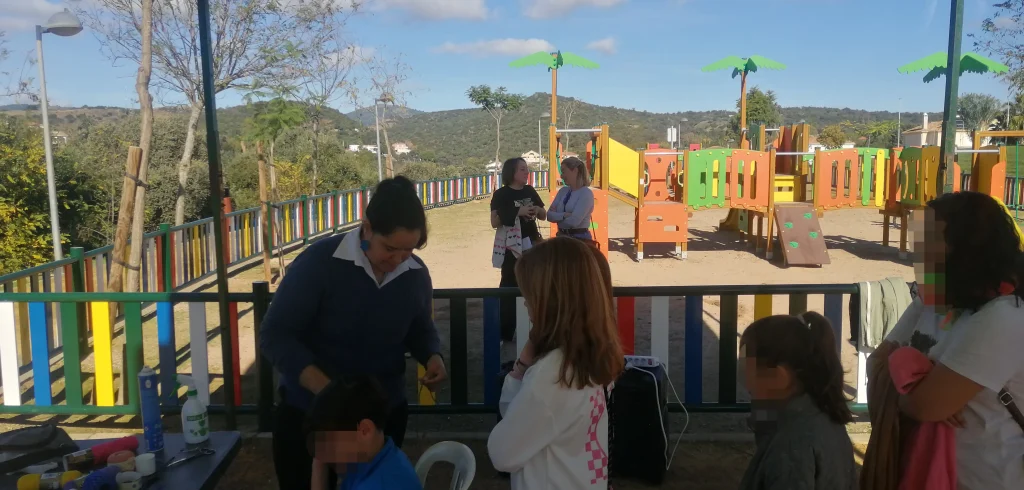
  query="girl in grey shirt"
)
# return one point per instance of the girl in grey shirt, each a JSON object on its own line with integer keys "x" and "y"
{"x": 574, "y": 203}
{"x": 795, "y": 379}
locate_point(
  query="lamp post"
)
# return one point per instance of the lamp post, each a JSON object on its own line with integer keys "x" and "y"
{"x": 376, "y": 120}
{"x": 899, "y": 123}
{"x": 63, "y": 24}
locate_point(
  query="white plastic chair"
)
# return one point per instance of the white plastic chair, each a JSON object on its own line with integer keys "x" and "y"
{"x": 450, "y": 452}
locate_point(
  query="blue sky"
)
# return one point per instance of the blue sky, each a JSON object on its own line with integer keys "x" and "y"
{"x": 840, "y": 53}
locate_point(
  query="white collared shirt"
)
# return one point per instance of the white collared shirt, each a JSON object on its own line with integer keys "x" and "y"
{"x": 350, "y": 249}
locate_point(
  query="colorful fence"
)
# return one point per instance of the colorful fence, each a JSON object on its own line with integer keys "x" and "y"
{"x": 672, "y": 323}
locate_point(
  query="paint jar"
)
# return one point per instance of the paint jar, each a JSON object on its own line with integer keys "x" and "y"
{"x": 47, "y": 481}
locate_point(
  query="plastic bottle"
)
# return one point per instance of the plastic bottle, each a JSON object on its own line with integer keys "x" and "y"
{"x": 47, "y": 481}
{"x": 149, "y": 401}
{"x": 194, "y": 421}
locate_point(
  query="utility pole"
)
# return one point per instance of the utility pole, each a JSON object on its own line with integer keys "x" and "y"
{"x": 948, "y": 147}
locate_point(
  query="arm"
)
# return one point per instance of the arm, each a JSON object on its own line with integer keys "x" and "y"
{"x": 542, "y": 214}
{"x": 527, "y": 427}
{"x": 293, "y": 312}
{"x": 557, "y": 212}
{"x": 319, "y": 478}
{"x": 505, "y": 210}
{"x": 580, "y": 215}
{"x": 986, "y": 356}
{"x": 422, "y": 339}
{"x": 495, "y": 220}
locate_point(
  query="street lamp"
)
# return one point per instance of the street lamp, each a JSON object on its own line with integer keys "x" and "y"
{"x": 63, "y": 24}
{"x": 376, "y": 120}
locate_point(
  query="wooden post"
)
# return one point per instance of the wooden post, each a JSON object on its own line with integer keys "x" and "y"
{"x": 268, "y": 247}
{"x": 115, "y": 282}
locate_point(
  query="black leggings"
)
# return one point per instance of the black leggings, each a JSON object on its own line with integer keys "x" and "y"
{"x": 292, "y": 462}
{"x": 508, "y": 303}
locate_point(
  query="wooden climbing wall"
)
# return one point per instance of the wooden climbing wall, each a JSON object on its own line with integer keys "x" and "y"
{"x": 800, "y": 235}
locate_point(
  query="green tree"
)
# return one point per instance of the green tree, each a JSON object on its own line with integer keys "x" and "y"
{"x": 977, "y": 111}
{"x": 270, "y": 120}
{"x": 762, "y": 108}
{"x": 832, "y": 137}
{"x": 1001, "y": 35}
{"x": 880, "y": 134}
{"x": 497, "y": 103}
{"x": 742, "y": 67}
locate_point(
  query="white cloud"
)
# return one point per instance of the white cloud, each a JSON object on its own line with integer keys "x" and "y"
{"x": 546, "y": 9}
{"x": 352, "y": 55}
{"x": 18, "y": 15}
{"x": 504, "y": 47}
{"x": 607, "y": 45}
{"x": 1004, "y": 23}
{"x": 435, "y": 9}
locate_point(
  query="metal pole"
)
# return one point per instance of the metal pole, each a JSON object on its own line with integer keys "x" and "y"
{"x": 376, "y": 120}
{"x": 948, "y": 147}
{"x": 216, "y": 180}
{"x": 899, "y": 123}
{"x": 540, "y": 146}
{"x": 51, "y": 184}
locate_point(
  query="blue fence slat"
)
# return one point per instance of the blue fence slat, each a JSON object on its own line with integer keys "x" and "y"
{"x": 693, "y": 350}
{"x": 168, "y": 357}
{"x": 834, "y": 314}
{"x": 40, "y": 336}
{"x": 492, "y": 350}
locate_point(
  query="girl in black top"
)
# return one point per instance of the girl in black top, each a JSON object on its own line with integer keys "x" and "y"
{"x": 515, "y": 199}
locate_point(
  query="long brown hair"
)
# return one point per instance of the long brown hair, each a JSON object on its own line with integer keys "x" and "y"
{"x": 568, "y": 292}
{"x": 805, "y": 344}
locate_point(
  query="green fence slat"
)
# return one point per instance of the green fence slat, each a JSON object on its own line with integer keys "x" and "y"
{"x": 133, "y": 344}
{"x": 727, "y": 340}
{"x": 797, "y": 303}
{"x": 72, "y": 357}
{"x": 459, "y": 351}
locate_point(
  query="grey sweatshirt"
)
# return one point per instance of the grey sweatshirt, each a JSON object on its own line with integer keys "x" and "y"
{"x": 580, "y": 205}
{"x": 800, "y": 448}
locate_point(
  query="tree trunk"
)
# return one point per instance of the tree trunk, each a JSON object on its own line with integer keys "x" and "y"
{"x": 743, "y": 111}
{"x": 242, "y": 144}
{"x": 185, "y": 164}
{"x": 142, "y": 82}
{"x": 389, "y": 169}
{"x": 316, "y": 152}
{"x": 268, "y": 252}
{"x": 124, "y": 220}
{"x": 275, "y": 198}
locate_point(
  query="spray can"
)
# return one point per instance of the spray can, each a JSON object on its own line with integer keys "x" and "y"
{"x": 152, "y": 426}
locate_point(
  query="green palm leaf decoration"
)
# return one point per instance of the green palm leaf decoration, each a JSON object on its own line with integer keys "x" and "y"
{"x": 969, "y": 63}
{"x": 538, "y": 58}
{"x": 575, "y": 60}
{"x": 740, "y": 66}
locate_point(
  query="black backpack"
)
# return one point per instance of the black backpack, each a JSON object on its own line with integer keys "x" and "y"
{"x": 33, "y": 445}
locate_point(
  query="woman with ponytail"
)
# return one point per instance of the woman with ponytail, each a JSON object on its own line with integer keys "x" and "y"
{"x": 795, "y": 379}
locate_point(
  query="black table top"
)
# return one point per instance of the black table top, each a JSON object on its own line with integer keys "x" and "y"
{"x": 201, "y": 473}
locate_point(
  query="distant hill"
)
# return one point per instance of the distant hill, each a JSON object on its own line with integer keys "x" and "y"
{"x": 467, "y": 136}
{"x": 367, "y": 118}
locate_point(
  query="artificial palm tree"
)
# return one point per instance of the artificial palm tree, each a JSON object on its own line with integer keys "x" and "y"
{"x": 741, "y": 67}
{"x": 554, "y": 61}
{"x": 969, "y": 63}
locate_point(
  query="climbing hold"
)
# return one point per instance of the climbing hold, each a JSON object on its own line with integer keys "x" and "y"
{"x": 788, "y": 225}
{"x": 814, "y": 234}
{"x": 794, "y": 244}
{"x": 807, "y": 215}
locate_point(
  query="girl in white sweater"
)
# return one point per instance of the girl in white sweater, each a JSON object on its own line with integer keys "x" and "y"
{"x": 554, "y": 428}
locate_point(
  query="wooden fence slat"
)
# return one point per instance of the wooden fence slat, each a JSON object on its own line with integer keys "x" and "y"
{"x": 72, "y": 357}
{"x": 492, "y": 350}
{"x": 198, "y": 346}
{"x": 762, "y": 306}
{"x": 134, "y": 356}
{"x": 659, "y": 329}
{"x": 168, "y": 367}
{"x": 797, "y": 303}
{"x": 24, "y": 335}
{"x": 727, "y": 343}
{"x": 9, "y": 355}
{"x": 626, "y": 314}
{"x": 41, "y": 385}
{"x": 101, "y": 348}
{"x": 459, "y": 345}
{"x": 693, "y": 351}
{"x": 834, "y": 313}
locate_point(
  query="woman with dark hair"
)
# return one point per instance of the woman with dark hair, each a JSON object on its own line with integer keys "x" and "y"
{"x": 352, "y": 304}
{"x": 799, "y": 411}
{"x": 515, "y": 209}
{"x": 572, "y": 206}
{"x": 969, "y": 320}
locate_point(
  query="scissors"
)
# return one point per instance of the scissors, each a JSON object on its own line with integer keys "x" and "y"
{"x": 188, "y": 455}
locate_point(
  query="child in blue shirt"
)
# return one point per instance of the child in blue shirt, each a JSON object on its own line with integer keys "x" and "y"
{"x": 345, "y": 429}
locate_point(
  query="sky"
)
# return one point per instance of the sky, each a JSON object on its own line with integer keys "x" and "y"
{"x": 839, "y": 53}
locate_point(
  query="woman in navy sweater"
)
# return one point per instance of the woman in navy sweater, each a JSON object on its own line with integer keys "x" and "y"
{"x": 352, "y": 304}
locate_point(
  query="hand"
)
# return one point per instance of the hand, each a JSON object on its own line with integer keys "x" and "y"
{"x": 533, "y": 211}
{"x": 436, "y": 373}
{"x": 525, "y": 211}
{"x": 956, "y": 421}
{"x": 526, "y": 356}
